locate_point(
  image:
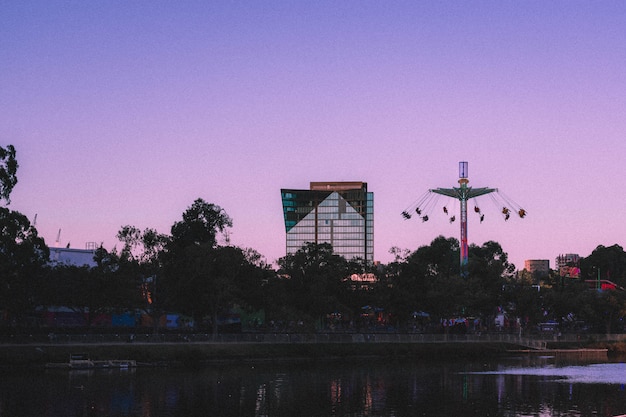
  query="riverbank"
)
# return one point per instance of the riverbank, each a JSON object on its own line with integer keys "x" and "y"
{"x": 196, "y": 353}
{"x": 192, "y": 354}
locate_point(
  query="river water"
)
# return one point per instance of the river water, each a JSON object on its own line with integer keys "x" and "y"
{"x": 515, "y": 386}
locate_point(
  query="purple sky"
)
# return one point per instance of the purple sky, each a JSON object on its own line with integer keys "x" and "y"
{"x": 125, "y": 112}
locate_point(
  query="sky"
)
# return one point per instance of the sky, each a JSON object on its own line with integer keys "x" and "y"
{"x": 124, "y": 113}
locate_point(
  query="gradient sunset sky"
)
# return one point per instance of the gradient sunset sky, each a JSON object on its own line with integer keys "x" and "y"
{"x": 126, "y": 112}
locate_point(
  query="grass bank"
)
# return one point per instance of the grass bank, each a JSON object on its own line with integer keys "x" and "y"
{"x": 190, "y": 354}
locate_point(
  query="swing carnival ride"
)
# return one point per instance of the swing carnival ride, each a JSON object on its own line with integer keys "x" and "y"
{"x": 424, "y": 206}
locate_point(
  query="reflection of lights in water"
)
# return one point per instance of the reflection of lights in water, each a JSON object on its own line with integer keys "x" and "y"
{"x": 465, "y": 387}
{"x": 500, "y": 386}
{"x": 269, "y": 395}
{"x": 335, "y": 392}
{"x": 279, "y": 384}
{"x": 367, "y": 403}
{"x": 374, "y": 394}
{"x": 260, "y": 404}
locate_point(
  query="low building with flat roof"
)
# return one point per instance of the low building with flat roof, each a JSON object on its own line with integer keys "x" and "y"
{"x": 537, "y": 267}
{"x": 74, "y": 257}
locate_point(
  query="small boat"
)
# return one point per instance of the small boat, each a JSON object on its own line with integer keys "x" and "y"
{"x": 82, "y": 361}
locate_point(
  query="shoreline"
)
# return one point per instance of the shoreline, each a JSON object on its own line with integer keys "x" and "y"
{"x": 196, "y": 353}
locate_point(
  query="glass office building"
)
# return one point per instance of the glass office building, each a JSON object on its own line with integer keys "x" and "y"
{"x": 339, "y": 213}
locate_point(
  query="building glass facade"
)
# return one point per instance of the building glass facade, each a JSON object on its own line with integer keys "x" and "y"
{"x": 339, "y": 213}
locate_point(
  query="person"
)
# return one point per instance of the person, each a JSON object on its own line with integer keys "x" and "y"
{"x": 425, "y": 218}
{"x": 445, "y": 209}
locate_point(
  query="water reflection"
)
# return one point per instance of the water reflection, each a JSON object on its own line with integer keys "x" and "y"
{"x": 514, "y": 387}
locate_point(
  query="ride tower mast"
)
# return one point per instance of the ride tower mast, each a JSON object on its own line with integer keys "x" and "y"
{"x": 463, "y": 193}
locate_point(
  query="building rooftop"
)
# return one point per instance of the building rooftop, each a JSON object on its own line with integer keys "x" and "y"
{"x": 75, "y": 257}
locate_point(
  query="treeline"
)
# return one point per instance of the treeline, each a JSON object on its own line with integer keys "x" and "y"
{"x": 189, "y": 273}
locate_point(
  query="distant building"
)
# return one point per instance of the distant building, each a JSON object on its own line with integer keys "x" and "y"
{"x": 74, "y": 257}
{"x": 568, "y": 265}
{"x": 539, "y": 268}
{"x": 339, "y": 213}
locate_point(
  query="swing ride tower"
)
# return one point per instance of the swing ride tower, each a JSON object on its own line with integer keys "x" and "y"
{"x": 463, "y": 193}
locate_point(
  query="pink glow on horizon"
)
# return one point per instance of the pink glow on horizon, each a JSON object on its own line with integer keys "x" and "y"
{"x": 124, "y": 113}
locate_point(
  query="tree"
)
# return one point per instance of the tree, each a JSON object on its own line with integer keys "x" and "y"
{"x": 428, "y": 280}
{"x": 200, "y": 224}
{"x": 489, "y": 271}
{"x": 527, "y": 302}
{"x": 69, "y": 286}
{"x": 216, "y": 273}
{"x": 142, "y": 247}
{"x": 213, "y": 281}
{"x": 392, "y": 269}
{"x": 200, "y": 278}
{"x": 606, "y": 262}
{"x": 315, "y": 280}
{"x": 113, "y": 285}
{"x": 8, "y": 172}
{"x": 22, "y": 252}
{"x": 110, "y": 286}
{"x": 255, "y": 279}
{"x": 22, "y": 256}
{"x": 140, "y": 261}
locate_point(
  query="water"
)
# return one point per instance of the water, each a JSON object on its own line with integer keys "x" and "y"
{"x": 520, "y": 386}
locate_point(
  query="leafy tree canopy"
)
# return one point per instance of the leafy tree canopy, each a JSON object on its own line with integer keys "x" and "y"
{"x": 8, "y": 171}
{"x": 22, "y": 255}
{"x": 607, "y": 261}
{"x": 21, "y": 244}
{"x": 200, "y": 224}
{"x": 439, "y": 259}
{"x": 143, "y": 247}
{"x": 316, "y": 276}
